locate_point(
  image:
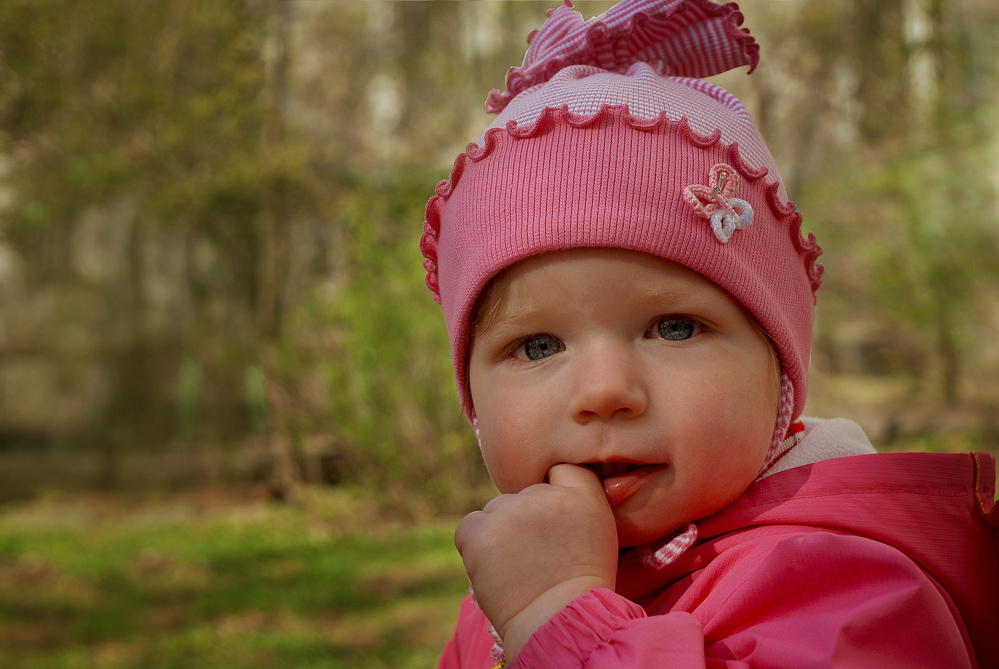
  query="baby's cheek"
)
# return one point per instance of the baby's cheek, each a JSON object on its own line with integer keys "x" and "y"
{"x": 510, "y": 461}
{"x": 496, "y": 456}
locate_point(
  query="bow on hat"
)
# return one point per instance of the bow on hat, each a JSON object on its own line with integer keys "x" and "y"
{"x": 683, "y": 38}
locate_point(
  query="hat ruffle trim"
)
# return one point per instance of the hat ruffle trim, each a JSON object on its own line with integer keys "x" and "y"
{"x": 807, "y": 247}
{"x": 683, "y": 38}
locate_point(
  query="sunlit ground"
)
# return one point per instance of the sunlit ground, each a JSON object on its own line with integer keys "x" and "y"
{"x": 213, "y": 580}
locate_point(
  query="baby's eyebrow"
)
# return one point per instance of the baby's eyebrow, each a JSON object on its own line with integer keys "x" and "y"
{"x": 502, "y": 322}
{"x": 499, "y": 320}
{"x": 676, "y": 299}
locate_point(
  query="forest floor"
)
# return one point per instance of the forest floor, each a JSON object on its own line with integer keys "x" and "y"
{"x": 222, "y": 578}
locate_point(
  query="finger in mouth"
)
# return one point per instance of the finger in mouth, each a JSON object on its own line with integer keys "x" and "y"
{"x": 606, "y": 470}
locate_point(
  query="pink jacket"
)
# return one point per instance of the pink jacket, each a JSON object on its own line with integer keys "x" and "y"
{"x": 884, "y": 560}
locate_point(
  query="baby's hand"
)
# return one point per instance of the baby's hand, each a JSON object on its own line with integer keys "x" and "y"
{"x": 530, "y": 554}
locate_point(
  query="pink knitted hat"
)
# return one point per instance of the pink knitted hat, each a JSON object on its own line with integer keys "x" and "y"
{"x": 603, "y": 140}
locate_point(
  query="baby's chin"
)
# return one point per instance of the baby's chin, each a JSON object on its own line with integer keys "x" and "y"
{"x": 629, "y": 535}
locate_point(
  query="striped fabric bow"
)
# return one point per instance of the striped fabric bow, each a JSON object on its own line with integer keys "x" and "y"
{"x": 684, "y": 38}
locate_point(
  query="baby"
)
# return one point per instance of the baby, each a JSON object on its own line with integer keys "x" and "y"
{"x": 629, "y": 302}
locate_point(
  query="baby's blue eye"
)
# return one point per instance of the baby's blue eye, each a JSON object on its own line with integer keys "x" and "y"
{"x": 542, "y": 346}
{"x": 673, "y": 328}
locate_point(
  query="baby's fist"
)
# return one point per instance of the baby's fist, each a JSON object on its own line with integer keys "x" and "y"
{"x": 530, "y": 554}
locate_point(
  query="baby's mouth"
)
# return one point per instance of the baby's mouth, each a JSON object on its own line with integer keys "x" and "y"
{"x": 605, "y": 470}
{"x": 622, "y": 479}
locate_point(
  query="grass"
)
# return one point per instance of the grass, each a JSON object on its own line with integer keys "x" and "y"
{"x": 232, "y": 585}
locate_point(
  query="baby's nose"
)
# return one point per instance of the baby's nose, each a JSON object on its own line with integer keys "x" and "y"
{"x": 608, "y": 384}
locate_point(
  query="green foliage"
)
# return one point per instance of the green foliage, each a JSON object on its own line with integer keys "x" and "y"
{"x": 912, "y": 242}
{"x": 162, "y": 122}
{"x": 165, "y": 102}
{"x": 950, "y": 252}
{"x": 947, "y": 228}
{"x": 397, "y": 409}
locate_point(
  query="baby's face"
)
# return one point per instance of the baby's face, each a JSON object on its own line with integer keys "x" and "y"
{"x": 639, "y": 368}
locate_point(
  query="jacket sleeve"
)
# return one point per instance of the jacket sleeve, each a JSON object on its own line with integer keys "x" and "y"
{"x": 809, "y": 600}
{"x": 470, "y": 647}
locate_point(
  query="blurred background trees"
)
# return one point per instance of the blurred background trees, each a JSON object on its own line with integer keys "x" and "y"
{"x": 209, "y": 217}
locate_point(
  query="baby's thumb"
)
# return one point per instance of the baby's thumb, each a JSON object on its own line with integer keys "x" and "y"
{"x": 575, "y": 476}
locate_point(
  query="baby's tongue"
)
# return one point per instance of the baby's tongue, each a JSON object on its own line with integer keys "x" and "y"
{"x": 621, "y": 480}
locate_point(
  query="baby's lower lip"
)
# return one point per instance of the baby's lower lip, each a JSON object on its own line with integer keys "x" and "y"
{"x": 621, "y": 487}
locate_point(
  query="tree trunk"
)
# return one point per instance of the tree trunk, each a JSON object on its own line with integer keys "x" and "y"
{"x": 275, "y": 225}
{"x": 274, "y": 252}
